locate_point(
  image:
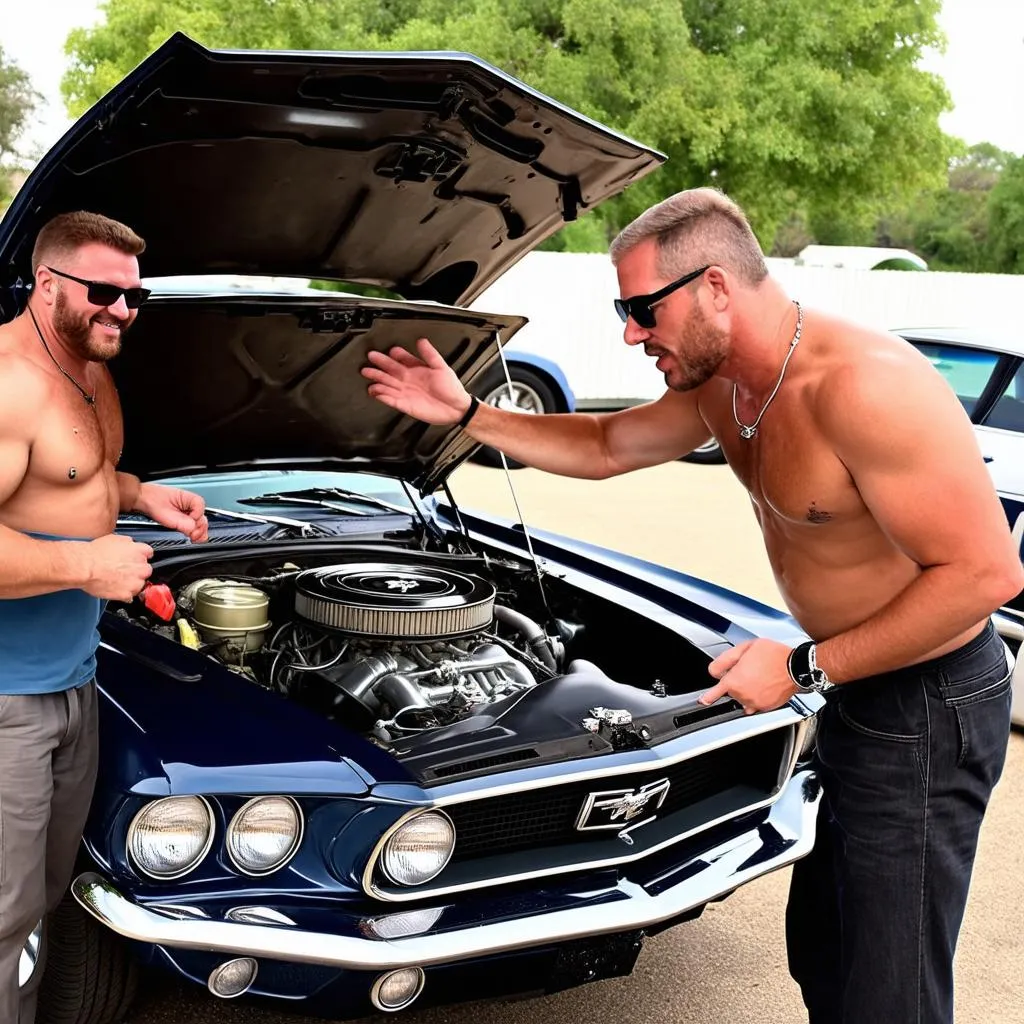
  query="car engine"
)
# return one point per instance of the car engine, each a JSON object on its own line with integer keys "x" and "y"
{"x": 395, "y": 649}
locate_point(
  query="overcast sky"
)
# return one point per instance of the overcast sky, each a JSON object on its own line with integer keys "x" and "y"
{"x": 983, "y": 65}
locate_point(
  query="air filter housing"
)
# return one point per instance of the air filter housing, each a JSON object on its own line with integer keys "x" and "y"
{"x": 390, "y": 601}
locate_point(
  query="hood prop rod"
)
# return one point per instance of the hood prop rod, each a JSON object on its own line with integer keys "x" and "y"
{"x": 515, "y": 499}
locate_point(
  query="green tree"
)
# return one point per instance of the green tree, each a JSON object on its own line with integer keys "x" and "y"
{"x": 1006, "y": 220}
{"x": 17, "y": 101}
{"x": 787, "y": 106}
{"x": 951, "y": 227}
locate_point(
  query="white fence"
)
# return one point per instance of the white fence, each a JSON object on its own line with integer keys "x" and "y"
{"x": 568, "y": 299}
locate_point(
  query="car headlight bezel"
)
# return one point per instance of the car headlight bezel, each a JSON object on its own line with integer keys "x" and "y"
{"x": 415, "y": 820}
{"x": 809, "y": 740}
{"x": 137, "y": 825}
{"x": 282, "y": 861}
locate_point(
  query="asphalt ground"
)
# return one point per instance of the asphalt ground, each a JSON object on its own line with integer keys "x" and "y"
{"x": 730, "y": 965}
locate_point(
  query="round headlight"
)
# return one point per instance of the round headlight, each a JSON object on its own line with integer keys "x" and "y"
{"x": 419, "y": 849}
{"x": 264, "y": 834}
{"x": 170, "y": 836}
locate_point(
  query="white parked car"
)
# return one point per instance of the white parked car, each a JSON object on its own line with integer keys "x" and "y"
{"x": 986, "y": 370}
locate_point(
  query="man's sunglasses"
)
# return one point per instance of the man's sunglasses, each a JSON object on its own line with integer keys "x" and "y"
{"x": 102, "y": 294}
{"x": 639, "y": 306}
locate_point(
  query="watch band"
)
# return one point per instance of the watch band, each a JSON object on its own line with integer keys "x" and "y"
{"x": 803, "y": 669}
{"x": 474, "y": 404}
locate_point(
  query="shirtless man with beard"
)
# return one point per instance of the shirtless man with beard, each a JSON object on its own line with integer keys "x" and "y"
{"x": 60, "y": 494}
{"x": 888, "y": 544}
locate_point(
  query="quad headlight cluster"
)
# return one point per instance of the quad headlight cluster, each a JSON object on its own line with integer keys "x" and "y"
{"x": 170, "y": 837}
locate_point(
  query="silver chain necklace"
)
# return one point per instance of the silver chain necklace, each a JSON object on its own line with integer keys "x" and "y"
{"x": 89, "y": 399}
{"x": 748, "y": 432}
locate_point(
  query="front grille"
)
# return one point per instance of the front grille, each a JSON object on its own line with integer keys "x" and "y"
{"x": 544, "y": 818}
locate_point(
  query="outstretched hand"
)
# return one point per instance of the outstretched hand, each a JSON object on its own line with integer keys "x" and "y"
{"x": 426, "y": 388}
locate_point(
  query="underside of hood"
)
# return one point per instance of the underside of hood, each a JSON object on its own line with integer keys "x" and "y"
{"x": 243, "y": 381}
{"x": 428, "y": 174}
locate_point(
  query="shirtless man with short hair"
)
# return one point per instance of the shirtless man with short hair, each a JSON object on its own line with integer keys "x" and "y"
{"x": 60, "y": 492}
{"x": 887, "y": 542}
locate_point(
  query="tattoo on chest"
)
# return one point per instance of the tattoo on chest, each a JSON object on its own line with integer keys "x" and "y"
{"x": 817, "y": 515}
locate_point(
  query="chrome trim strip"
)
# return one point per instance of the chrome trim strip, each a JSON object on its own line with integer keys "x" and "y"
{"x": 787, "y": 836}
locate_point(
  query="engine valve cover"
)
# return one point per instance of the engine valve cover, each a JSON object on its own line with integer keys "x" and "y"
{"x": 393, "y": 601}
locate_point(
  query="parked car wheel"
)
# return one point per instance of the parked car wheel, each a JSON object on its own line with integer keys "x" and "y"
{"x": 89, "y": 975}
{"x": 709, "y": 454}
{"x": 530, "y": 393}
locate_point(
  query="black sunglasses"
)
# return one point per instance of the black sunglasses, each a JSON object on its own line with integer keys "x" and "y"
{"x": 102, "y": 294}
{"x": 639, "y": 306}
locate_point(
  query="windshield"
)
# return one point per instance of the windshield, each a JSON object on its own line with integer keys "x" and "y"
{"x": 235, "y": 491}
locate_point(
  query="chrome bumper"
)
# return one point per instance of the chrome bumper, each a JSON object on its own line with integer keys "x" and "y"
{"x": 786, "y": 836}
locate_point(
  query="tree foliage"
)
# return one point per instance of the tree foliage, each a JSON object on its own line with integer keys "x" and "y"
{"x": 1006, "y": 220}
{"x": 975, "y": 223}
{"x": 816, "y": 109}
{"x": 17, "y": 101}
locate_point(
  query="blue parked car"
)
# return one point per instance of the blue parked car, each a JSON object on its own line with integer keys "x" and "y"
{"x": 387, "y": 753}
{"x": 986, "y": 370}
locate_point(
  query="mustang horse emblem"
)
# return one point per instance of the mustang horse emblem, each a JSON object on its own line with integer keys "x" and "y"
{"x": 630, "y": 806}
{"x": 403, "y": 585}
{"x": 613, "y": 808}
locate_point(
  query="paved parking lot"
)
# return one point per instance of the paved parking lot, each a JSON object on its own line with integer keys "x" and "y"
{"x": 731, "y": 964}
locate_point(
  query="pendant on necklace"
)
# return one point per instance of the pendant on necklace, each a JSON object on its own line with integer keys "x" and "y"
{"x": 747, "y": 432}
{"x": 72, "y": 473}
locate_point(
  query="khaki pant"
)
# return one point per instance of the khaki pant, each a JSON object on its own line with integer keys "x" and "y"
{"x": 48, "y": 754}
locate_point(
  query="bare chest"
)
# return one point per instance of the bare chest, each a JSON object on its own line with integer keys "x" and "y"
{"x": 790, "y": 471}
{"x": 76, "y": 440}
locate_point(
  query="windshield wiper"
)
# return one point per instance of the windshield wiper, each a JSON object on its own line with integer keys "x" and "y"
{"x": 305, "y": 529}
{"x": 319, "y": 497}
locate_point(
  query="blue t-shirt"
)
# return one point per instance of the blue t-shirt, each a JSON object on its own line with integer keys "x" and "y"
{"x": 48, "y": 642}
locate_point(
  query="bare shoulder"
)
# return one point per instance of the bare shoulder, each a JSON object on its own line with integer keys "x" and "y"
{"x": 24, "y": 389}
{"x": 872, "y": 381}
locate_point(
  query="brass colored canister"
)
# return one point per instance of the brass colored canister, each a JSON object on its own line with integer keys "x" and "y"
{"x": 233, "y": 611}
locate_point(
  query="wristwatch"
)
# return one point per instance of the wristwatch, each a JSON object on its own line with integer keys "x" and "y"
{"x": 804, "y": 671}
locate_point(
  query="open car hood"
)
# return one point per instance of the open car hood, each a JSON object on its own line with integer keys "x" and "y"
{"x": 428, "y": 174}
{"x": 214, "y": 382}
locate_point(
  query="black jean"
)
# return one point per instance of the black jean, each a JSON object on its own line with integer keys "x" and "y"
{"x": 908, "y": 761}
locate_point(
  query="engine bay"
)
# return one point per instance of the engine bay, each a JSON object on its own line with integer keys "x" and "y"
{"x": 441, "y": 658}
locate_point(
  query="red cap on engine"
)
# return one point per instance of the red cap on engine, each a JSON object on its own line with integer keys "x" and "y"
{"x": 157, "y": 597}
